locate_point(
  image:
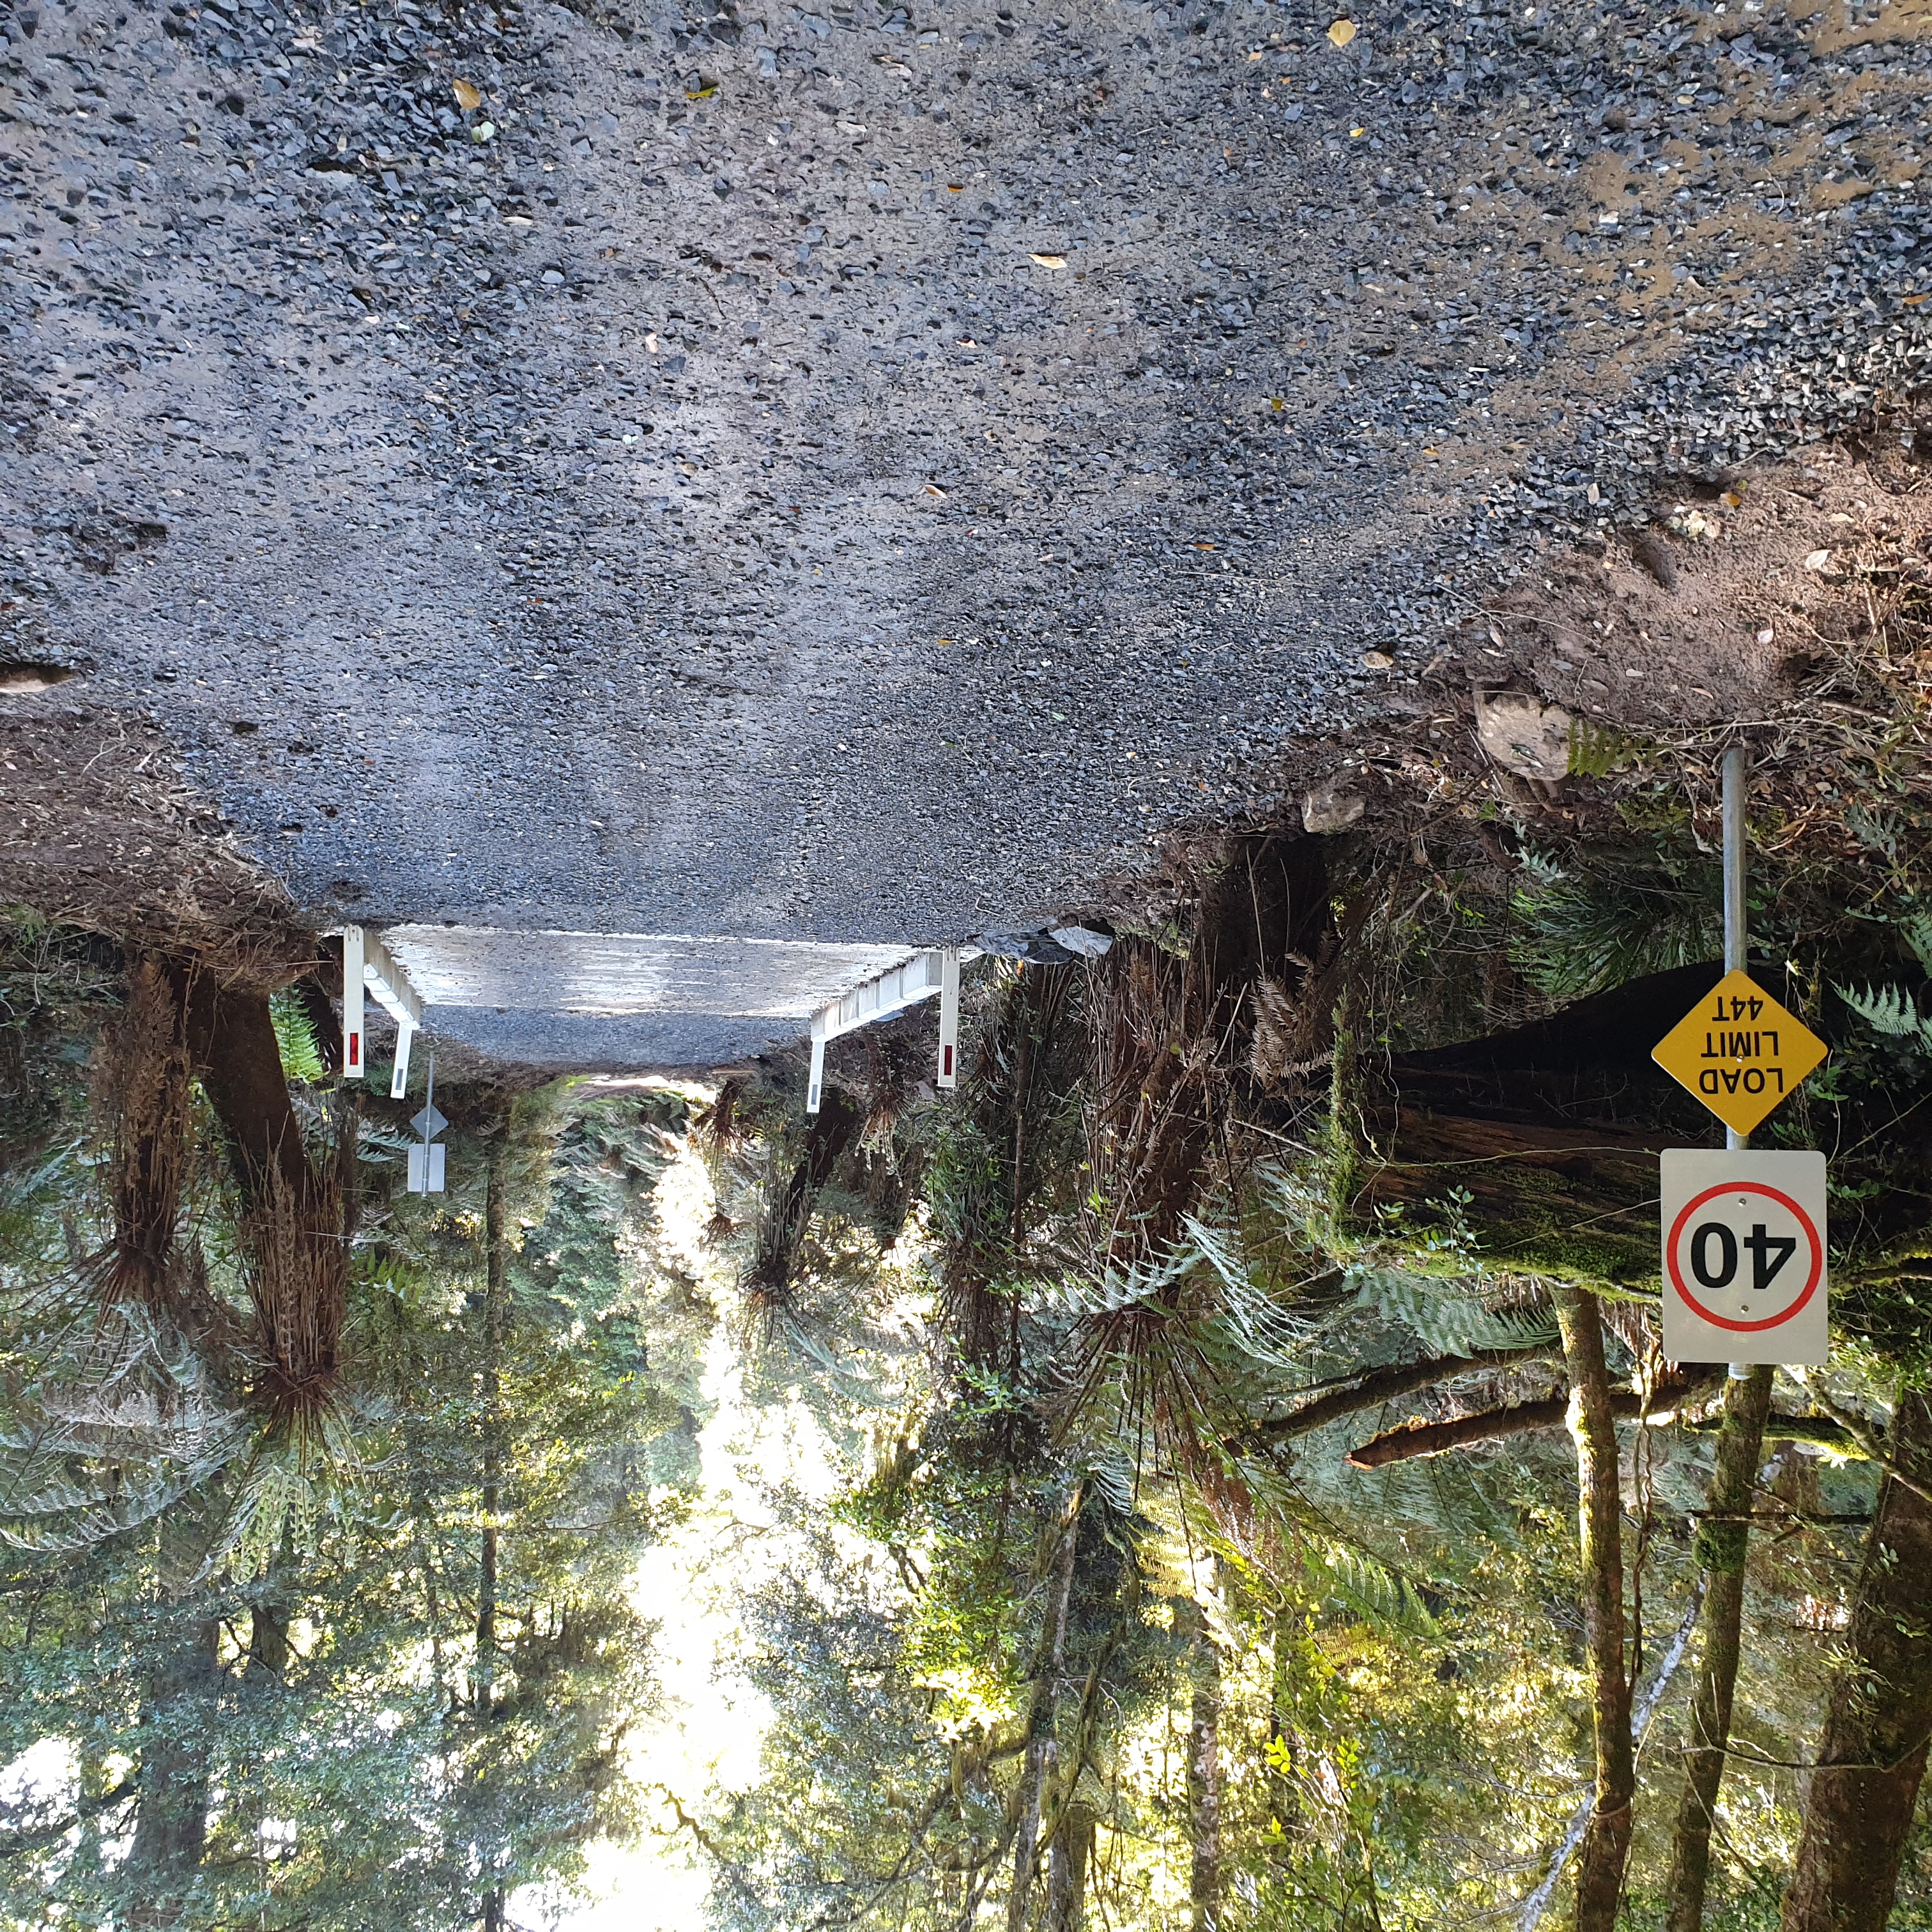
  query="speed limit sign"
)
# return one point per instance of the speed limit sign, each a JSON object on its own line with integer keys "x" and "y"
{"x": 1744, "y": 1256}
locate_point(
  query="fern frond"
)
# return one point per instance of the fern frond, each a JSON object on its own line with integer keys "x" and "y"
{"x": 1361, "y": 1580}
{"x": 1875, "y": 831}
{"x": 1447, "y": 1323}
{"x": 1596, "y": 750}
{"x": 295, "y": 1038}
{"x": 1891, "y": 1010}
{"x": 1917, "y": 927}
{"x": 1578, "y": 935}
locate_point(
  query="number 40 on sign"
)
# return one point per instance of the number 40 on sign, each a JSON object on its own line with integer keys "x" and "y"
{"x": 1744, "y": 1256}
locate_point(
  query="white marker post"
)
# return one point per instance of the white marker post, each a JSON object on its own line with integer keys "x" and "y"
{"x": 948, "y": 1075}
{"x": 815, "y": 1087}
{"x": 366, "y": 963}
{"x": 352, "y": 1068}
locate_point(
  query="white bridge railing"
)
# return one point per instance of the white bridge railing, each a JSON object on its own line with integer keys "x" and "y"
{"x": 883, "y": 997}
{"x": 368, "y": 965}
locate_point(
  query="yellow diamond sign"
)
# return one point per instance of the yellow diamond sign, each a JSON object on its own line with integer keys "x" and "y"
{"x": 1739, "y": 1051}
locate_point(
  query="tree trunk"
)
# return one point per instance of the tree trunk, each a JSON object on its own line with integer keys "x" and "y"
{"x": 298, "y": 1255}
{"x": 1544, "y": 1195}
{"x": 268, "y": 1640}
{"x": 977, "y": 1260}
{"x": 784, "y": 1218}
{"x": 171, "y": 1825}
{"x": 1721, "y": 1548}
{"x": 420, "y": 1517}
{"x": 1551, "y": 1129}
{"x": 1599, "y": 1864}
{"x": 1203, "y": 1778}
{"x": 1067, "y": 1859}
{"x": 495, "y": 1295}
{"x": 147, "y": 1077}
{"x": 1043, "y": 1715}
{"x": 1170, "y": 1030}
{"x": 232, "y": 1041}
{"x": 1872, "y": 1756}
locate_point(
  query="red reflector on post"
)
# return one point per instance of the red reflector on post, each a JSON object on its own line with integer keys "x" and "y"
{"x": 355, "y": 1053}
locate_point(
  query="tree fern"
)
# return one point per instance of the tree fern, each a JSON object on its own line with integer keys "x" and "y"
{"x": 1578, "y": 933}
{"x": 1356, "y": 1577}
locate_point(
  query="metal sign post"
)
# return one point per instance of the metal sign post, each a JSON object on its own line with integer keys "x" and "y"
{"x": 1744, "y": 1233}
{"x": 427, "y": 1159}
{"x": 1738, "y": 1049}
{"x": 1737, "y": 944}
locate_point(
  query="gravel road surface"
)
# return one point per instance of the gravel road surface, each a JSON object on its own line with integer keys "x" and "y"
{"x": 860, "y": 476}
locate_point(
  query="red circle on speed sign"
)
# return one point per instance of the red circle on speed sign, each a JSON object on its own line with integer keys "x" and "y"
{"x": 1807, "y": 1232}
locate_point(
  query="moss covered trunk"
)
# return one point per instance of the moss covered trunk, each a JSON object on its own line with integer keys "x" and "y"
{"x": 1043, "y": 1716}
{"x": 1872, "y": 1756}
{"x": 1606, "y": 1846}
{"x": 1721, "y": 1546}
{"x": 1203, "y": 1778}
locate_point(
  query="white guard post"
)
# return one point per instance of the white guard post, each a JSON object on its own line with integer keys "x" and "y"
{"x": 890, "y": 993}
{"x": 948, "y": 1019}
{"x": 368, "y": 962}
{"x": 352, "y": 960}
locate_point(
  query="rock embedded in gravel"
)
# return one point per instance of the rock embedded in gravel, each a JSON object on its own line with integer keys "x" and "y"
{"x": 1523, "y": 735}
{"x": 1082, "y": 940}
{"x": 21, "y": 680}
{"x": 1331, "y": 808}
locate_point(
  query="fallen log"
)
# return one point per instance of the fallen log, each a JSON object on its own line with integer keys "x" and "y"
{"x": 1371, "y": 1391}
{"x": 1492, "y": 1425}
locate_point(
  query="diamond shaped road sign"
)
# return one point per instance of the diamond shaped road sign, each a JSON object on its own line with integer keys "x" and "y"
{"x": 1739, "y": 1051}
{"x": 430, "y": 1122}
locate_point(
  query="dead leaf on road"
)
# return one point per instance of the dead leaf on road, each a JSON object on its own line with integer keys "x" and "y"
{"x": 1049, "y": 261}
{"x": 468, "y": 95}
{"x": 1342, "y": 32}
